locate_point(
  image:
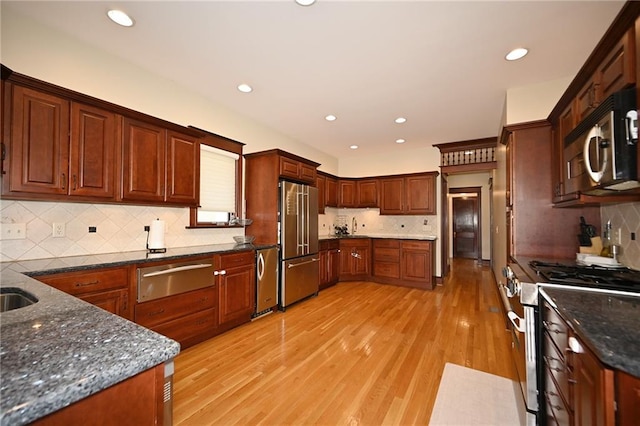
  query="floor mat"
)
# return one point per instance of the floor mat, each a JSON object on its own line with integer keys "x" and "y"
{"x": 472, "y": 397}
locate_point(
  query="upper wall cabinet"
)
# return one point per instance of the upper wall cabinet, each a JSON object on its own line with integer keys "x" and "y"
{"x": 413, "y": 194}
{"x": 297, "y": 169}
{"x": 56, "y": 147}
{"x": 64, "y": 146}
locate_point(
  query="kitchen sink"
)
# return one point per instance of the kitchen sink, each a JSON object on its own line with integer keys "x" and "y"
{"x": 15, "y": 298}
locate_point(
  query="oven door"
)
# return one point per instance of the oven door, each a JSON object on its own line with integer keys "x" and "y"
{"x": 521, "y": 326}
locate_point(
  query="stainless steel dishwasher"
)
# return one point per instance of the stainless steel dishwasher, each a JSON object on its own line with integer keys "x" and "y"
{"x": 155, "y": 282}
{"x": 266, "y": 281}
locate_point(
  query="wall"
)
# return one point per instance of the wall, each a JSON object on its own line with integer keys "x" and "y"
{"x": 625, "y": 217}
{"x": 534, "y": 102}
{"x": 370, "y": 222}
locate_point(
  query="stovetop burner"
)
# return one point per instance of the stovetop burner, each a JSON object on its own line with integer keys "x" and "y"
{"x": 623, "y": 279}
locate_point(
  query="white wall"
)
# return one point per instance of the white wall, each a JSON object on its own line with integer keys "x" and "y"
{"x": 534, "y": 102}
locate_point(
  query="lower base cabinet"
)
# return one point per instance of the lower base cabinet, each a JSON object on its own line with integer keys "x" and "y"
{"x": 403, "y": 262}
{"x": 237, "y": 292}
{"x": 138, "y": 400}
{"x": 329, "y": 269}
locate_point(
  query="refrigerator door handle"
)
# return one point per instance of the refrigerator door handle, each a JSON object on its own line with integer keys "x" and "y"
{"x": 260, "y": 266}
{"x": 293, "y": 265}
{"x": 300, "y": 220}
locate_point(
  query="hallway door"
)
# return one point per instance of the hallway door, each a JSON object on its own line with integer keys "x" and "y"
{"x": 465, "y": 227}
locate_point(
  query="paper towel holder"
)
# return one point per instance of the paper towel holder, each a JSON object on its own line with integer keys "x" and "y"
{"x": 157, "y": 242}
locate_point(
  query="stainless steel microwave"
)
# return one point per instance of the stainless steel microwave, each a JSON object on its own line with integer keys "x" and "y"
{"x": 601, "y": 153}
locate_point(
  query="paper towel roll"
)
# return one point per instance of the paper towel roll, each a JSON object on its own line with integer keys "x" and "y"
{"x": 156, "y": 235}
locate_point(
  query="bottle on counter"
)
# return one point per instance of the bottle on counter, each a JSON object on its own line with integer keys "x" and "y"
{"x": 606, "y": 241}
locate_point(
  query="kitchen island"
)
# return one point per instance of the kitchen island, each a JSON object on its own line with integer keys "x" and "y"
{"x": 62, "y": 350}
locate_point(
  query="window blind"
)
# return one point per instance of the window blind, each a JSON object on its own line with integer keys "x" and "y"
{"x": 217, "y": 179}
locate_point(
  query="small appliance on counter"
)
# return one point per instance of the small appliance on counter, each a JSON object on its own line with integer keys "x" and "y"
{"x": 155, "y": 237}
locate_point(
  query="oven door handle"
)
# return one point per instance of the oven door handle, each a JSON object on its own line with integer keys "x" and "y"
{"x": 517, "y": 322}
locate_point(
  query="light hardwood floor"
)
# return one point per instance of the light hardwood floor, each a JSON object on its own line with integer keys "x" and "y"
{"x": 359, "y": 353}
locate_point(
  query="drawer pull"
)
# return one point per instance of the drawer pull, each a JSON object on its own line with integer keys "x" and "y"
{"x": 88, "y": 283}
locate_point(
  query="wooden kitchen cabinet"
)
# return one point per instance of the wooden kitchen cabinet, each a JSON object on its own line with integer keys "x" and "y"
{"x": 66, "y": 146}
{"x": 329, "y": 268}
{"x": 628, "y": 399}
{"x": 413, "y": 194}
{"x": 355, "y": 259}
{"x": 321, "y": 184}
{"x": 347, "y": 193}
{"x": 297, "y": 170}
{"x": 262, "y": 176}
{"x": 107, "y": 288}
{"x": 367, "y": 190}
{"x": 235, "y": 275}
{"x": 59, "y": 148}
{"x": 403, "y": 262}
{"x": 138, "y": 400}
{"x": 331, "y": 193}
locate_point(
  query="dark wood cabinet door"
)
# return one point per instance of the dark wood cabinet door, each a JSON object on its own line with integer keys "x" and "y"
{"x": 346, "y": 262}
{"x": 115, "y": 301}
{"x": 367, "y": 193}
{"x": 93, "y": 152}
{"x": 289, "y": 168}
{"x": 331, "y": 199}
{"x": 183, "y": 165}
{"x": 236, "y": 293}
{"x": 321, "y": 183}
{"x": 391, "y": 195}
{"x": 420, "y": 197}
{"x": 143, "y": 161}
{"x": 362, "y": 264}
{"x": 566, "y": 124}
{"x": 323, "y": 268}
{"x": 587, "y": 99}
{"x": 308, "y": 173}
{"x": 628, "y": 398}
{"x": 593, "y": 390}
{"x": 347, "y": 192}
{"x": 617, "y": 71}
{"x": 39, "y": 143}
{"x": 334, "y": 265}
{"x": 416, "y": 263}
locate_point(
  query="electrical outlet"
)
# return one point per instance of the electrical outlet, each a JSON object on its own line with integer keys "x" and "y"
{"x": 14, "y": 231}
{"x": 58, "y": 230}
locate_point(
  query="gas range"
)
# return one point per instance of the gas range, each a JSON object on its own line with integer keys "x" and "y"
{"x": 588, "y": 277}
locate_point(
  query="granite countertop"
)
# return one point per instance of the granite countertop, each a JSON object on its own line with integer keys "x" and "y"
{"x": 609, "y": 324}
{"x": 389, "y": 236}
{"x": 61, "y": 349}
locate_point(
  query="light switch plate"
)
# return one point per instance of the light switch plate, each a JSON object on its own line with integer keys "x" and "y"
{"x": 14, "y": 231}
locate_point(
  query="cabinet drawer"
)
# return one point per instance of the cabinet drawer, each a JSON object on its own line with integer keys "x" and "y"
{"x": 77, "y": 283}
{"x": 386, "y": 254}
{"x": 385, "y": 269}
{"x": 190, "y": 326}
{"x": 386, "y": 244}
{"x": 556, "y": 328}
{"x": 416, "y": 245}
{"x": 169, "y": 308}
{"x": 237, "y": 259}
{"x": 556, "y": 364}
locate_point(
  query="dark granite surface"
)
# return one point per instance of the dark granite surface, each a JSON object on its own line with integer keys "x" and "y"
{"x": 608, "y": 324}
{"x": 62, "y": 349}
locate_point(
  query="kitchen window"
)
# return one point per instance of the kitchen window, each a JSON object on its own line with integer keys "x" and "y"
{"x": 220, "y": 182}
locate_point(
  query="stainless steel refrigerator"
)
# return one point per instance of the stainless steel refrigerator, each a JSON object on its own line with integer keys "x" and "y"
{"x": 298, "y": 242}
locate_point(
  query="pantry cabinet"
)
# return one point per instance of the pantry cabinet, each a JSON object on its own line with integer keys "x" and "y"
{"x": 107, "y": 288}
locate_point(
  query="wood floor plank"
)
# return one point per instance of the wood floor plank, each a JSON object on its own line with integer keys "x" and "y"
{"x": 359, "y": 353}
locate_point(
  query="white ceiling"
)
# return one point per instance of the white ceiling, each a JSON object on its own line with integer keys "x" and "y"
{"x": 439, "y": 64}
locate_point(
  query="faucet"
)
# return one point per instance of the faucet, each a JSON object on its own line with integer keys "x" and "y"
{"x": 354, "y": 225}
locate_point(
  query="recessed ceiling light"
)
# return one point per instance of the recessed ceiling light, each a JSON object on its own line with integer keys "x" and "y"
{"x": 245, "y": 88}
{"x": 330, "y": 117}
{"x": 400, "y": 120}
{"x": 120, "y": 18}
{"x": 400, "y": 141}
{"x": 305, "y": 2}
{"x": 354, "y": 147}
{"x": 516, "y": 54}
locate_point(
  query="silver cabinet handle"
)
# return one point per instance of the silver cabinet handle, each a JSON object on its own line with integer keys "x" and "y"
{"x": 178, "y": 269}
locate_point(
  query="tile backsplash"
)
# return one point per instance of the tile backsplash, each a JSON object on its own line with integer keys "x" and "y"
{"x": 370, "y": 222}
{"x": 119, "y": 228}
{"x": 624, "y": 217}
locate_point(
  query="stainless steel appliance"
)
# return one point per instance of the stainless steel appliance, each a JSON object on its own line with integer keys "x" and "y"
{"x": 266, "y": 281}
{"x": 600, "y": 154}
{"x": 520, "y": 296}
{"x": 298, "y": 237}
{"x": 155, "y": 282}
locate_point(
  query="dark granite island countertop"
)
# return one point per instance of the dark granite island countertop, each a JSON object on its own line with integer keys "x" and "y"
{"x": 608, "y": 324}
{"x": 61, "y": 349}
